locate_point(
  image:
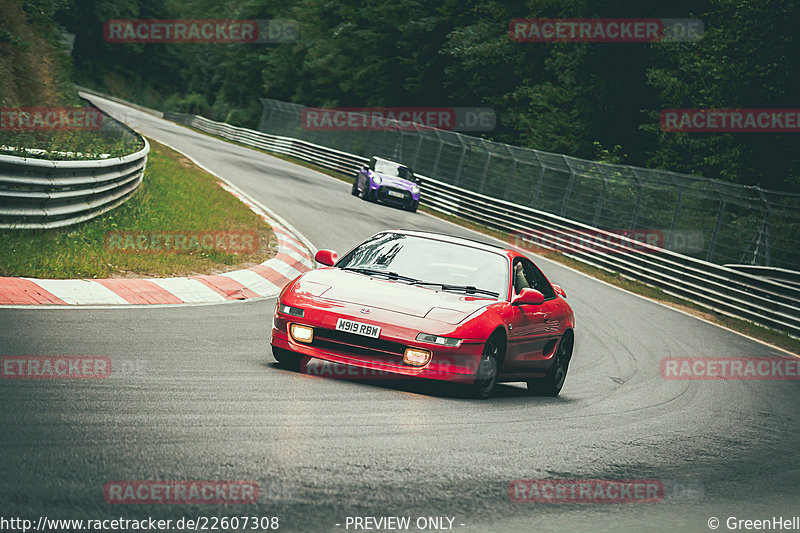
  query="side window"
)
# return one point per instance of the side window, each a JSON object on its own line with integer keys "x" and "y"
{"x": 371, "y": 164}
{"x": 406, "y": 173}
{"x": 520, "y": 278}
{"x": 537, "y": 279}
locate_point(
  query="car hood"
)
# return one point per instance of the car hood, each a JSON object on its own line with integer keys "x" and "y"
{"x": 358, "y": 289}
{"x": 394, "y": 181}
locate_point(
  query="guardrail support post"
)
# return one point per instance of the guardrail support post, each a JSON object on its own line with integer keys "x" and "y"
{"x": 485, "y": 170}
{"x": 717, "y": 224}
{"x": 597, "y": 211}
{"x": 674, "y": 219}
{"x": 767, "y": 210}
{"x": 438, "y": 155}
{"x": 416, "y": 154}
{"x": 639, "y": 189}
{"x": 568, "y": 192}
{"x": 460, "y": 161}
{"x": 510, "y": 179}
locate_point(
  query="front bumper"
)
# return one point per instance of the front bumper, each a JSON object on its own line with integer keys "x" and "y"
{"x": 395, "y": 196}
{"x": 379, "y": 356}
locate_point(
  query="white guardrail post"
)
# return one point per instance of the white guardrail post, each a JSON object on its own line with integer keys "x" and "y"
{"x": 715, "y": 287}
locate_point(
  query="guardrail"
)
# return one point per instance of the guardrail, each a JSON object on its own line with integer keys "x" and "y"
{"x": 46, "y": 194}
{"x": 715, "y": 287}
{"x": 147, "y": 110}
{"x": 780, "y": 275}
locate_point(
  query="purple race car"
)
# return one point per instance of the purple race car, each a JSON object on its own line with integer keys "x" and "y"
{"x": 388, "y": 182}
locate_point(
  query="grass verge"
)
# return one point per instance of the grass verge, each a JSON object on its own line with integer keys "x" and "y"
{"x": 175, "y": 199}
{"x": 750, "y": 329}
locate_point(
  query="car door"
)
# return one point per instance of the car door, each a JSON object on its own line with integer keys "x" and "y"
{"x": 532, "y": 328}
{"x": 555, "y": 310}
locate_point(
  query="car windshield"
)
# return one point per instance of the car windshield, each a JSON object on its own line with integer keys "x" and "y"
{"x": 429, "y": 262}
{"x": 393, "y": 169}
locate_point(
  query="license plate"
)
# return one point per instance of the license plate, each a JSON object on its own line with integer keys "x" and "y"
{"x": 350, "y": 326}
{"x": 396, "y": 194}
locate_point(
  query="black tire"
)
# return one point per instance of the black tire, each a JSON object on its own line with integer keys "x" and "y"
{"x": 488, "y": 369}
{"x": 413, "y": 207}
{"x": 286, "y": 358}
{"x": 354, "y": 191}
{"x": 553, "y": 381}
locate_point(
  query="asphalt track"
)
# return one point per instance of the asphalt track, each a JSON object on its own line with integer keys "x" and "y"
{"x": 195, "y": 395}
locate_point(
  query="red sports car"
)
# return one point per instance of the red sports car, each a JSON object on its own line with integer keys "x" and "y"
{"x": 431, "y": 306}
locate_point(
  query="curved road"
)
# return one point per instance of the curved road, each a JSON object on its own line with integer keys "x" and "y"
{"x": 195, "y": 395}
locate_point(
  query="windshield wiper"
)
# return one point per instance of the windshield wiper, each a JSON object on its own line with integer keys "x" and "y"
{"x": 375, "y": 272}
{"x": 466, "y": 288}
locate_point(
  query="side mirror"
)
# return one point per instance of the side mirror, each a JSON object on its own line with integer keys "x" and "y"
{"x": 326, "y": 257}
{"x": 559, "y": 290}
{"x": 529, "y": 297}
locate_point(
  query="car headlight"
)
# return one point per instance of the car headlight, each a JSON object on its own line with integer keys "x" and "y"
{"x": 416, "y": 356}
{"x": 288, "y": 310}
{"x": 441, "y": 341}
{"x": 301, "y": 333}
{"x": 414, "y": 190}
{"x": 377, "y": 180}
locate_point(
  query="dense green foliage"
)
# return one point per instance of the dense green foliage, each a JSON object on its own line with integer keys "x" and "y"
{"x": 598, "y": 101}
{"x": 34, "y": 70}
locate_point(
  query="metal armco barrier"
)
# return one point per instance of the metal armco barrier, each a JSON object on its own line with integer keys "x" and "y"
{"x": 147, "y": 110}
{"x": 45, "y": 194}
{"x": 715, "y": 287}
